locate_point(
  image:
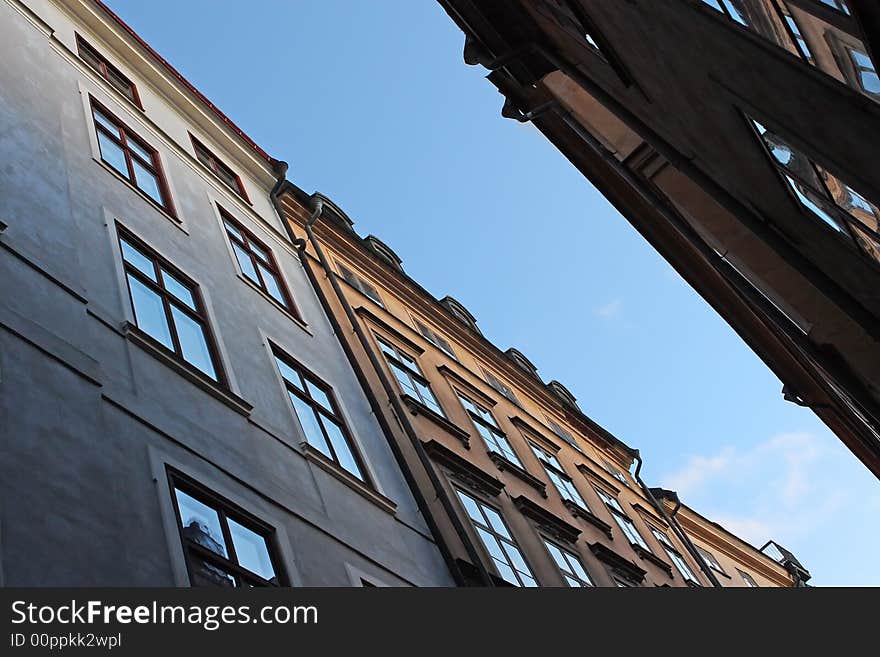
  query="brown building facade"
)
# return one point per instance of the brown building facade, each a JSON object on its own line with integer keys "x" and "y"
{"x": 519, "y": 485}
{"x": 739, "y": 138}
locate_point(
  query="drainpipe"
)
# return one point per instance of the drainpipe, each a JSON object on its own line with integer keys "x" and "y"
{"x": 375, "y": 404}
{"x": 673, "y": 522}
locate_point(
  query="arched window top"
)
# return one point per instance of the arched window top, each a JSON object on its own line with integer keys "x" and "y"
{"x": 333, "y": 211}
{"x": 460, "y": 312}
{"x": 564, "y": 394}
{"x": 384, "y": 251}
{"x": 521, "y": 361}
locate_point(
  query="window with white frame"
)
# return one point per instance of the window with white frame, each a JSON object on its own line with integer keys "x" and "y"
{"x": 623, "y": 521}
{"x": 674, "y": 555}
{"x": 570, "y": 565}
{"x": 409, "y": 376}
{"x": 503, "y": 550}
{"x": 561, "y": 481}
{"x": 488, "y": 428}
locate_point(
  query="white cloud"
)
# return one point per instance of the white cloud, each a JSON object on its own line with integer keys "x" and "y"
{"x": 610, "y": 310}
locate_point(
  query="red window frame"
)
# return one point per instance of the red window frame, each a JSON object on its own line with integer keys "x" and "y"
{"x": 246, "y": 241}
{"x": 91, "y": 56}
{"x": 218, "y": 167}
{"x": 123, "y": 136}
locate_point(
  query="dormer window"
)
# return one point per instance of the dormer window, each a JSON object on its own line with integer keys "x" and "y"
{"x": 384, "y": 251}
{"x": 521, "y": 361}
{"x": 460, "y": 313}
{"x": 563, "y": 393}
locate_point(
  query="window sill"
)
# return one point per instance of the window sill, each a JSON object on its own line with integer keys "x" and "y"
{"x": 160, "y": 208}
{"x": 582, "y": 513}
{"x": 207, "y": 384}
{"x": 418, "y": 408}
{"x": 286, "y": 311}
{"x": 508, "y": 466}
{"x": 647, "y": 555}
{"x": 315, "y": 456}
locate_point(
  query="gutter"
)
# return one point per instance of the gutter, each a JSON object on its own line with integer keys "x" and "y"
{"x": 375, "y": 404}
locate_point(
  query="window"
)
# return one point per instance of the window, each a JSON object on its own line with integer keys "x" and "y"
{"x": 557, "y": 475}
{"x": 360, "y": 285}
{"x": 168, "y": 307}
{"x": 130, "y": 156}
{"x": 839, "y": 5}
{"x": 674, "y": 555}
{"x": 570, "y": 565}
{"x": 107, "y": 71}
{"x": 614, "y": 472}
{"x": 496, "y": 538}
{"x": 733, "y": 9}
{"x": 489, "y": 430}
{"x": 409, "y": 376}
{"x": 500, "y": 386}
{"x": 562, "y": 433}
{"x": 318, "y": 414}
{"x": 435, "y": 339}
{"x": 797, "y": 36}
{"x": 826, "y": 196}
{"x": 747, "y": 579}
{"x": 866, "y": 73}
{"x": 256, "y": 261}
{"x": 223, "y": 172}
{"x": 710, "y": 560}
{"x": 623, "y": 521}
{"x": 223, "y": 546}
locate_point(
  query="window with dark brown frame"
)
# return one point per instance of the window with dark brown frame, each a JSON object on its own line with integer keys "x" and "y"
{"x": 223, "y": 172}
{"x": 130, "y": 156}
{"x": 866, "y": 72}
{"x": 107, "y": 71}
{"x": 826, "y": 196}
{"x": 223, "y": 545}
{"x": 319, "y": 416}
{"x": 168, "y": 307}
{"x": 570, "y": 565}
{"x": 794, "y": 30}
{"x": 256, "y": 261}
{"x": 486, "y": 425}
{"x": 408, "y": 374}
{"x": 503, "y": 549}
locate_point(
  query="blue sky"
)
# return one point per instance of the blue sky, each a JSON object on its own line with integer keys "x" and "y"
{"x": 371, "y": 104}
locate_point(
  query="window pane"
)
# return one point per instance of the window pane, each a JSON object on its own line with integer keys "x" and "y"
{"x": 112, "y": 154}
{"x": 234, "y": 231}
{"x": 492, "y": 545}
{"x": 245, "y": 262}
{"x": 138, "y": 260}
{"x": 573, "y": 582}
{"x": 193, "y": 345}
{"x": 251, "y": 550}
{"x": 139, "y": 150}
{"x": 506, "y": 572}
{"x": 806, "y": 196}
{"x": 496, "y": 522}
{"x": 200, "y": 523}
{"x": 149, "y": 312}
{"x": 147, "y": 182}
{"x": 260, "y": 251}
{"x": 516, "y": 558}
{"x": 471, "y": 506}
{"x": 120, "y": 83}
{"x": 309, "y": 424}
{"x": 105, "y": 121}
{"x": 404, "y": 381}
{"x": 288, "y": 373}
{"x": 272, "y": 286}
{"x": 178, "y": 289}
{"x": 342, "y": 448}
{"x": 319, "y": 395}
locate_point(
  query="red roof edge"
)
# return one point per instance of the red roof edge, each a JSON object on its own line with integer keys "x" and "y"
{"x": 185, "y": 82}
